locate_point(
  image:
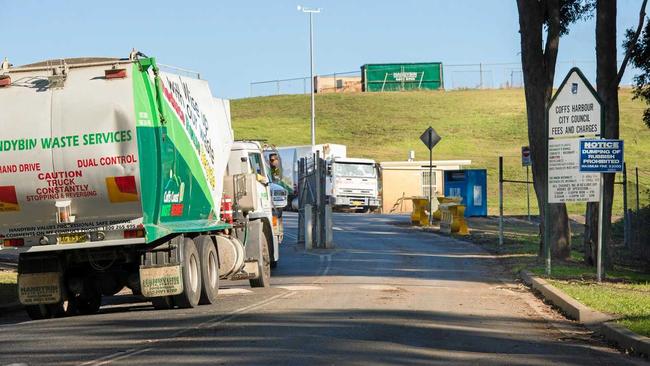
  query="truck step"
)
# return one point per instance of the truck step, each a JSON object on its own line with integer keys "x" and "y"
{"x": 249, "y": 272}
{"x": 242, "y": 276}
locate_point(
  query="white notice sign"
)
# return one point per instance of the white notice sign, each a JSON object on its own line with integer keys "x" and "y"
{"x": 565, "y": 182}
{"x": 574, "y": 113}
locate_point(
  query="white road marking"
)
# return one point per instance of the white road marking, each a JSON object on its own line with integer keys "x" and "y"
{"x": 329, "y": 264}
{"x": 300, "y": 288}
{"x": 234, "y": 291}
{"x": 336, "y": 228}
{"x": 379, "y": 287}
{"x": 207, "y": 324}
{"x": 290, "y": 236}
{"x": 235, "y": 314}
{"x": 122, "y": 355}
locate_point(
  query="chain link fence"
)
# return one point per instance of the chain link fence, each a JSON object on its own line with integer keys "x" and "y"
{"x": 455, "y": 76}
{"x": 337, "y": 82}
{"x": 637, "y": 226}
{"x": 630, "y": 206}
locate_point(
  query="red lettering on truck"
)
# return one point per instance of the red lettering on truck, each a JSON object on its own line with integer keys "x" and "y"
{"x": 174, "y": 103}
{"x": 59, "y": 175}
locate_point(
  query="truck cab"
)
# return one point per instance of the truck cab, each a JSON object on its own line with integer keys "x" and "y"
{"x": 247, "y": 159}
{"x": 280, "y": 189}
{"x": 353, "y": 183}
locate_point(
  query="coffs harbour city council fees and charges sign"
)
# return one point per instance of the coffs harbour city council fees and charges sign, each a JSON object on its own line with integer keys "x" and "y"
{"x": 574, "y": 113}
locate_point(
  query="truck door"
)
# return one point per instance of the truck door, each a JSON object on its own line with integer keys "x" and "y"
{"x": 257, "y": 167}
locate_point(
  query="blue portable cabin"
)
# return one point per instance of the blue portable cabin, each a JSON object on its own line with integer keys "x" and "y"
{"x": 471, "y": 185}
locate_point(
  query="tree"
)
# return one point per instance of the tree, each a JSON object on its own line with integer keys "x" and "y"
{"x": 608, "y": 78}
{"x": 541, "y": 24}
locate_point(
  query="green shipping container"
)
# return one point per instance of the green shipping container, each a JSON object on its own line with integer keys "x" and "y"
{"x": 402, "y": 76}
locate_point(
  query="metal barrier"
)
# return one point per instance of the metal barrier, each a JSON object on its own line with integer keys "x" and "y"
{"x": 437, "y": 214}
{"x": 314, "y": 216}
{"x": 453, "y": 219}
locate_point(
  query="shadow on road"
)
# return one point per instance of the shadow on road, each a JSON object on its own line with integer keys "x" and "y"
{"x": 325, "y": 337}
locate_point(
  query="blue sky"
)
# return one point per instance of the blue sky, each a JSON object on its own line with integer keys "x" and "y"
{"x": 235, "y": 42}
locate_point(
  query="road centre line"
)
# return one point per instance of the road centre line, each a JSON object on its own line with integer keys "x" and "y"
{"x": 205, "y": 325}
{"x": 120, "y": 356}
{"x": 208, "y": 324}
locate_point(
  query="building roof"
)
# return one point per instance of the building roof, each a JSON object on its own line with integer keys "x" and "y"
{"x": 420, "y": 164}
{"x": 354, "y": 160}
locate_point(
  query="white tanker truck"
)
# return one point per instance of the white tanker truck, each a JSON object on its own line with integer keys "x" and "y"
{"x": 113, "y": 174}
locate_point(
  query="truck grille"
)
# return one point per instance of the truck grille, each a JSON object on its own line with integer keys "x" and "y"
{"x": 357, "y": 191}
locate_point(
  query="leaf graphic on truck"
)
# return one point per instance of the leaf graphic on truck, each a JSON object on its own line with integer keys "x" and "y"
{"x": 8, "y": 199}
{"x": 122, "y": 189}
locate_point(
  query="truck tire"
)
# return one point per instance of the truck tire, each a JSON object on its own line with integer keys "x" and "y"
{"x": 209, "y": 270}
{"x": 45, "y": 311}
{"x": 162, "y": 302}
{"x": 38, "y": 312}
{"x": 89, "y": 302}
{"x": 191, "y": 268}
{"x": 264, "y": 266}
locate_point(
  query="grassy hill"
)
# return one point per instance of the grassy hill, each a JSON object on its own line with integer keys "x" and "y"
{"x": 479, "y": 125}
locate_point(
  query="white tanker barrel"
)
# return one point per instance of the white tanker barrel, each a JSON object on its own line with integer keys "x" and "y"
{"x": 103, "y": 146}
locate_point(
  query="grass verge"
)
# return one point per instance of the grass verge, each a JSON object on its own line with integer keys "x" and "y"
{"x": 629, "y": 301}
{"x": 625, "y": 292}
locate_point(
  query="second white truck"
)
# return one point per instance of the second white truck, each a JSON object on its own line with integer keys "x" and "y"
{"x": 352, "y": 183}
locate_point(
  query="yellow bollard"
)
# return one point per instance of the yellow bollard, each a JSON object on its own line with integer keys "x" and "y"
{"x": 459, "y": 220}
{"x": 419, "y": 215}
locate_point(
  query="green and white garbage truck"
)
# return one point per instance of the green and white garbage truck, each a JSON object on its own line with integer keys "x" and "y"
{"x": 113, "y": 173}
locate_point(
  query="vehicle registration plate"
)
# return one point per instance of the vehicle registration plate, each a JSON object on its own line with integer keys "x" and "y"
{"x": 72, "y": 238}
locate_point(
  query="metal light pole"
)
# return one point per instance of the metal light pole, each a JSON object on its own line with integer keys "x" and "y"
{"x": 311, "y": 12}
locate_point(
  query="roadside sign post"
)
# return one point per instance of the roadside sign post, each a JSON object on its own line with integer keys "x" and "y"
{"x": 575, "y": 112}
{"x": 604, "y": 157}
{"x": 430, "y": 138}
{"x": 526, "y": 161}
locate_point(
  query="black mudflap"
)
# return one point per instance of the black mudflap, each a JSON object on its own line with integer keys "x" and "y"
{"x": 253, "y": 245}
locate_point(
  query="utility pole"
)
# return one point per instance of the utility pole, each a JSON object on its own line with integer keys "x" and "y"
{"x": 311, "y": 12}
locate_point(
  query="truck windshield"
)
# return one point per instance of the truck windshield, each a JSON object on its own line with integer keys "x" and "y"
{"x": 354, "y": 170}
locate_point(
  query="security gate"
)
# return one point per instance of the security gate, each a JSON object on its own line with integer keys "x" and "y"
{"x": 313, "y": 202}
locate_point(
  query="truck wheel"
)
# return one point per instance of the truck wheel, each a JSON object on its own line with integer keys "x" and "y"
{"x": 209, "y": 270}
{"x": 264, "y": 266}
{"x": 38, "y": 312}
{"x": 162, "y": 302}
{"x": 45, "y": 311}
{"x": 89, "y": 302}
{"x": 191, "y": 276}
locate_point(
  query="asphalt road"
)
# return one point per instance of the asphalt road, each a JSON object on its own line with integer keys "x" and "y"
{"x": 388, "y": 295}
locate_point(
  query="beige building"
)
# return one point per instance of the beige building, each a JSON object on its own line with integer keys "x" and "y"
{"x": 337, "y": 84}
{"x": 401, "y": 179}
